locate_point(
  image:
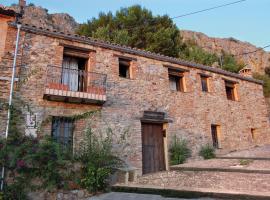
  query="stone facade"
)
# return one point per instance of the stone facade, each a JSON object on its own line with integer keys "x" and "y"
{"x": 191, "y": 112}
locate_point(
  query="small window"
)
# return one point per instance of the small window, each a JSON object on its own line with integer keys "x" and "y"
{"x": 62, "y": 130}
{"x": 253, "y": 133}
{"x": 215, "y": 135}
{"x": 124, "y": 68}
{"x": 176, "y": 80}
{"x": 204, "y": 82}
{"x": 230, "y": 88}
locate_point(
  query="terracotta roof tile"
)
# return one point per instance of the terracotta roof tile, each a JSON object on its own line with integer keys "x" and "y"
{"x": 130, "y": 50}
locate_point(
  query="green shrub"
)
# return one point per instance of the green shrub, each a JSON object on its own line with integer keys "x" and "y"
{"x": 37, "y": 163}
{"x": 245, "y": 162}
{"x": 207, "y": 152}
{"x": 179, "y": 151}
{"x": 14, "y": 191}
{"x": 98, "y": 160}
{"x": 266, "y": 83}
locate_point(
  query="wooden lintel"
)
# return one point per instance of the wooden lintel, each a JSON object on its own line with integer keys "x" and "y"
{"x": 231, "y": 81}
{"x": 125, "y": 57}
{"x": 76, "y": 47}
{"x": 176, "y": 68}
{"x": 205, "y": 75}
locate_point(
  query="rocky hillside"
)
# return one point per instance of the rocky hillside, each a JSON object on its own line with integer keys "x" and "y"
{"x": 39, "y": 16}
{"x": 258, "y": 61}
{"x": 60, "y": 21}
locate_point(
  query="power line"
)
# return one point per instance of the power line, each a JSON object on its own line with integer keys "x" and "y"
{"x": 251, "y": 52}
{"x": 187, "y": 14}
{"x": 207, "y": 9}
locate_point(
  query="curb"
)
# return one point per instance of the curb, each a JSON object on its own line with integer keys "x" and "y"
{"x": 242, "y": 158}
{"x": 186, "y": 193}
{"x": 212, "y": 169}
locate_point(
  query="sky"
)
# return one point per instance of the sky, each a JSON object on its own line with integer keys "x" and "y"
{"x": 247, "y": 21}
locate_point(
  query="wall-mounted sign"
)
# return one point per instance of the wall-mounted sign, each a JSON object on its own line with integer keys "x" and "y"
{"x": 31, "y": 124}
{"x": 31, "y": 120}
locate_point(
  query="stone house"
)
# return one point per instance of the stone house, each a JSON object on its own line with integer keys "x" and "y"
{"x": 153, "y": 97}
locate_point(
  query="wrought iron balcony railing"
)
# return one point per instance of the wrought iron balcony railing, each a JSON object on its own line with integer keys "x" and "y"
{"x": 75, "y": 86}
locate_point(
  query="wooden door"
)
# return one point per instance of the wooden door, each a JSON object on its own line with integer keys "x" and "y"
{"x": 214, "y": 136}
{"x": 152, "y": 148}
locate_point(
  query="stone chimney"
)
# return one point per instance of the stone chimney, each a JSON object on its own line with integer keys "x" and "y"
{"x": 246, "y": 71}
{"x": 22, "y": 4}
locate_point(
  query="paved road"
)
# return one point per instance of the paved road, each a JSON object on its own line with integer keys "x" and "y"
{"x": 130, "y": 196}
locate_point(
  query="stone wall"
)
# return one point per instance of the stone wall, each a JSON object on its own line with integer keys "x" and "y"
{"x": 191, "y": 112}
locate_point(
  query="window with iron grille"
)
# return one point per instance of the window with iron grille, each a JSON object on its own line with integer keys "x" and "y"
{"x": 62, "y": 130}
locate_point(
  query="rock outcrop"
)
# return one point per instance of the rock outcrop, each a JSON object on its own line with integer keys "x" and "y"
{"x": 39, "y": 16}
{"x": 257, "y": 61}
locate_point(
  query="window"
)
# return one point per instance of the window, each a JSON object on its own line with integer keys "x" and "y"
{"x": 215, "y": 129}
{"x": 124, "y": 68}
{"x": 62, "y": 130}
{"x": 176, "y": 80}
{"x": 230, "y": 88}
{"x": 204, "y": 82}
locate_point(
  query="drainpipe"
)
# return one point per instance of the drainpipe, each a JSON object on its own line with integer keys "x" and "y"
{"x": 11, "y": 93}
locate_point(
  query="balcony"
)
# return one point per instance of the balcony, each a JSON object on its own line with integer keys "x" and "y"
{"x": 75, "y": 86}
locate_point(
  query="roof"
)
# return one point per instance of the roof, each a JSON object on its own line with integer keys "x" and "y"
{"x": 129, "y": 50}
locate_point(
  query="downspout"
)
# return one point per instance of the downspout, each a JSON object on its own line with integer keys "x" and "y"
{"x": 11, "y": 93}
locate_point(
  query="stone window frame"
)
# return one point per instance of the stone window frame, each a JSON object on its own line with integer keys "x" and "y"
{"x": 124, "y": 67}
{"x": 232, "y": 87}
{"x": 179, "y": 77}
{"x": 129, "y": 62}
{"x": 205, "y": 88}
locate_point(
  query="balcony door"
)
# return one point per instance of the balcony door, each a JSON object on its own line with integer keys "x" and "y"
{"x": 70, "y": 73}
{"x": 73, "y": 73}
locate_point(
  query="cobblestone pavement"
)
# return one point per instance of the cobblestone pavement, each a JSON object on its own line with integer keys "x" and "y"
{"x": 130, "y": 196}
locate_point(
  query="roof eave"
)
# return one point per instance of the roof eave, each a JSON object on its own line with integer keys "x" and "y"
{"x": 129, "y": 50}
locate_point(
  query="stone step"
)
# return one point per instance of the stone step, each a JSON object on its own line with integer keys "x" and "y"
{"x": 226, "y": 165}
{"x": 213, "y": 169}
{"x": 191, "y": 192}
{"x": 193, "y": 184}
{"x": 243, "y": 158}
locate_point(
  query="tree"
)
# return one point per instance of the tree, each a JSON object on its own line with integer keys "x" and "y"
{"x": 229, "y": 63}
{"x": 136, "y": 27}
{"x": 190, "y": 51}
